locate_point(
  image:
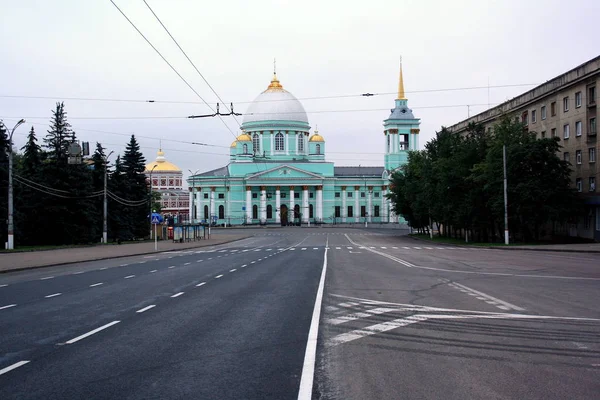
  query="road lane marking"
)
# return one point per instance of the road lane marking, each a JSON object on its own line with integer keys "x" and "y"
{"x": 385, "y": 248}
{"x": 406, "y": 248}
{"x": 218, "y": 276}
{"x": 123, "y": 265}
{"x": 209, "y": 258}
{"x": 78, "y": 272}
{"x": 315, "y": 248}
{"x": 177, "y": 294}
{"x": 97, "y": 284}
{"x": 199, "y": 261}
{"x": 146, "y": 308}
{"x": 244, "y": 266}
{"x": 293, "y": 248}
{"x": 142, "y": 262}
{"x": 48, "y": 277}
{"x": 90, "y": 333}
{"x": 153, "y": 271}
{"x": 338, "y": 248}
{"x": 171, "y": 267}
{"x": 11, "y": 367}
{"x": 3, "y": 285}
{"x": 8, "y": 306}
{"x": 359, "y": 315}
{"x": 103, "y": 268}
{"x": 268, "y": 249}
{"x": 200, "y": 284}
{"x": 488, "y": 297}
{"x": 374, "y": 329}
{"x": 187, "y": 264}
{"x": 232, "y": 270}
{"x": 52, "y": 295}
{"x": 129, "y": 276}
{"x": 395, "y": 248}
{"x": 308, "y": 368}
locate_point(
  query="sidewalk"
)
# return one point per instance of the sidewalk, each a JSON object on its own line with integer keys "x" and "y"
{"x": 46, "y": 258}
{"x": 565, "y": 248}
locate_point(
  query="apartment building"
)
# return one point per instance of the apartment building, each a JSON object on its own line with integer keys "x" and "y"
{"x": 563, "y": 107}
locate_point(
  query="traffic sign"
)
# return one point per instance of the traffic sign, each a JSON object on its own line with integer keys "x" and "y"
{"x": 156, "y": 218}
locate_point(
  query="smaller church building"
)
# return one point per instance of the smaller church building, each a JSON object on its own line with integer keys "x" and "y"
{"x": 278, "y": 172}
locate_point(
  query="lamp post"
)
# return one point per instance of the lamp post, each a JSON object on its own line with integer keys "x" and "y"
{"x": 105, "y": 214}
{"x": 192, "y": 174}
{"x": 11, "y": 228}
{"x": 150, "y": 216}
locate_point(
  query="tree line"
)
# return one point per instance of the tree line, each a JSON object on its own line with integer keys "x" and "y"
{"x": 456, "y": 184}
{"x": 57, "y": 203}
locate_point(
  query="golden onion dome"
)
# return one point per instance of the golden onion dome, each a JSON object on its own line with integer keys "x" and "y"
{"x": 316, "y": 137}
{"x": 244, "y": 137}
{"x": 161, "y": 164}
{"x": 233, "y": 144}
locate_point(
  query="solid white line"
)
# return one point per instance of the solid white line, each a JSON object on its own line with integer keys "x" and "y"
{"x": 200, "y": 284}
{"x": 90, "y": 333}
{"x": 97, "y": 284}
{"x": 187, "y": 264}
{"x": 177, "y": 294}
{"x": 308, "y": 369}
{"x": 48, "y": 277}
{"x": 129, "y": 276}
{"x": 11, "y": 367}
{"x": 218, "y": 276}
{"x": 146, "y": 308}
{"x": 52, "y": 295}
{"x": 232, "y": 270}
{"x": 154, "y": 270}
{"x": 8, "y": 306}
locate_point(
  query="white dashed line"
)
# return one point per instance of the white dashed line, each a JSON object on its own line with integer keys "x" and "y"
{"x": 78, "y": 272}
{"x": 304, "y": 248}
{"x": 4, "y": 285}
{"x": 52, "y": 295}
{"x": 97, "y": 284}
{"x": 252, "y": 262}
{"x": 129, "y": 276}
{"x": 200, "y": 284}
{"x": 232, "y": 270}
{"x": 90, "y": 333}
{"x": 210, "y": 258}
{"x": 338, "y": 248}
{"x": 146, "y": 308}
{"x": 48, "y": 277}
{"x": 142, "y": 262}
{"x": 315, "y": 248}
{"x": 293, "y": 248}
{"x": 153, "y": 271}
{"x": 385, "y": 248}
{"x": 103, "y": 268}
{"x": 406, "y": 248}
{"x": 244, "y": 266}
{"x": 268, "y": 249}
{"x": 172, "y": 266}
{"x": 218, "y": 276}
{"x": 123, "y": 265}
{"x": 199, "y": 261}
{"x": 177, "y": 294}
{"x": 8, "y": 306}
{"x": 395, "y": 248}
{"x": 14, "y": 366}
{"x": 187, "y": 264}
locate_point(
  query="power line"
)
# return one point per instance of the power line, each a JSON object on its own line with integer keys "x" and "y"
{"x": 17, "y": 179}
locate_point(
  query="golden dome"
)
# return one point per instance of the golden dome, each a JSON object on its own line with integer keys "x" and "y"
{"x": 233, "y": 144}
{"x": 161, "y": 164}
{"x": 244, "y": 137}
{"x": 274, "y": 86}
{"x": 316, "y": 137}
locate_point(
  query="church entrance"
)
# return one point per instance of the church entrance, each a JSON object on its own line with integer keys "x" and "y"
{"x": 284, "y": 214}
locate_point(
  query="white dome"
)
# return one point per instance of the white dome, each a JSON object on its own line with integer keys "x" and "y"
{"x": 275, "y": 104}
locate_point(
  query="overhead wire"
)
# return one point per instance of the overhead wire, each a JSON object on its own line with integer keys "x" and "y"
{"x": 56, "y": 194}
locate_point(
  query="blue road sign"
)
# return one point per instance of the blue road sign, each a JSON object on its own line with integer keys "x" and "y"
{"x": 156, "y": 218}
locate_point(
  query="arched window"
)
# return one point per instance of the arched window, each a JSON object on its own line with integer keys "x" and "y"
{"x": 318, "y": 147}
{"x": 205, "y": 212}
{"x": 256, "y": 143}
{"x": 221, "y": 212}
{"x": 388, "y": 143}
{"x": 300, "y": 143}
{"x": 279, "y": 142}
{"x": 255, "y": 211}
{"x": 245, "y": 149}
{"x": 310, "y": 211}
{"x": 269, "y": 211}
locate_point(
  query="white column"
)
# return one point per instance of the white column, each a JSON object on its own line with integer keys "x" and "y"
{"x": 200, "y": 204}
{"x": 286, "y": 143}
{"x": 227, "y": 207}
{"x": 263, "y": 205}
{"x": 291, "y": 208}
{"x": 277, "y": 205}
{"x": 272, "y": 143}
{"x": 212, "y": 202}
{"x": 319, "y": 203}
{"x": 305, "y": 204}
{"x": 369, "y": 204}
{"x": 344, "y": 208}
{"x": 384, "y": 210}
{"x": 248, "y": 204}
{"x": 356, "y": 205}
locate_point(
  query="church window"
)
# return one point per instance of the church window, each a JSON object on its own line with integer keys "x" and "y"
{"x": 311, "y": 195}
{"x": 255, "y": 195}
{"x": 245, "y": 147}
{"x": 310, "y": 211}
{"x": 338, "y": 211}
{"x": 256, "y": 143}
{"x": 205, "y": 212}
{"x": 362, "y": 194}
{"x": 255, "y": 211}
{"x": 206, "y": 195}
{"x": 318, "y": 147}
{"x": 300, "y": 144}
{"x": 363, "y": 211}
{"x": 296, "y": 195}
{"x": 279, "y": 142}
{"x": 269, "y": 211}
{"x": 376, "y": 194}
{"x": 221, "y": 195}
{"x": 376, "y": 211}
{"x": 221, "y": 212}
{"x": 350, "y": 213}
{"x": 349, "y": 194}
{"x": 337, "y": 194}
{"x": 283, "y": 195}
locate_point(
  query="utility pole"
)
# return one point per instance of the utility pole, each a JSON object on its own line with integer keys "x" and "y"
{"x": 505, "y": 196}
{"x": 105, "y": 214}
{"x": 11, "y": 227}
{"x": 150, "y": 216}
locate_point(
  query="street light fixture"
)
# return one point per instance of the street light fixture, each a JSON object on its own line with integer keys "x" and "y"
{"x": 11, "y": 228}
{"x": 150, "y": 216}
{"x": 105, "y": 214}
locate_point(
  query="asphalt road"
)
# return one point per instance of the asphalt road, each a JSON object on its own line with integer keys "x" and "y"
{"x": 398, "y": 319}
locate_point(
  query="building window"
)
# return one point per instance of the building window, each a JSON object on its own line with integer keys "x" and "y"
{"x": 245, "y": 148}
{"x": 318, "y": 148}
{"x": 376, "y": 194}
{"x": 206, "y": 195}
{"x": 578, "y": 99}
{"x": 388, "y": 143}
{"x": 269, "y": 211}
{"x": 310, "y": 211}
{"x": 279, "y": 143}
{"x": 566, "y": 156}
{"x": 255, "y": 195}
{"x": 525, "y": 118}
{"x": 283, "y": 195}
{"x": 578, "y": 156}
{"x": 221, "y": 195}
{"x": 350, "y": 213}
{"x": 592, "y": 183}
{"x": 533, "y": 116}
{"x": 349, "y": 194}
{"x": 255, "y": 212}
{"x": 363, "y": 211}
{"x": 553, "y": 109}
{"x": 362, "y": 194}
{"x": 592, "y": 95}
{"x": 376, "y": 211}
{"x": 337, "y": 194}
{"x": 566, "y": 131}
{"x": 256, "y": 143}
{"x": 296, "y": 195}
{"x": 578, "y": 184}
{"x": 300, "y": 143}
{"x": 592, "y": 126}
{"x": 543, "y": 112}
{"x": 543, "y": 135}
{"x": 221, "y": 212}
{"x": 566, "y": 104}
{"x": 578, "y": 128}
{"x": 337, "y": 212}
{"x": 205, "y": 212}
{"x": 592, "y": 154}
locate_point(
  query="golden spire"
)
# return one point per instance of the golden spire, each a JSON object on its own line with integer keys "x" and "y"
{"x": 274, "y": 85}
{"x": 401, "y": 84}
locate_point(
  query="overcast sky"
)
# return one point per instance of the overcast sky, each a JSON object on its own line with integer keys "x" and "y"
{"x": 86, "y": 49}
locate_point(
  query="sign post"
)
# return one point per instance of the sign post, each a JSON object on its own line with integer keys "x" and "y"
{"x": 156, "y": 219}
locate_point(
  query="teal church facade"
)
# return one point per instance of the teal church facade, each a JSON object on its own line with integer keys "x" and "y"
{"x": 278, "y": 173}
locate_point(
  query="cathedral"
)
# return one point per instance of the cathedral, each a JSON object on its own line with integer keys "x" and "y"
{"x": 278, "y": 172}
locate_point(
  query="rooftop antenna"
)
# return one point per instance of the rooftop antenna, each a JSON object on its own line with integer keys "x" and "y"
{"x": 274, "y": 66}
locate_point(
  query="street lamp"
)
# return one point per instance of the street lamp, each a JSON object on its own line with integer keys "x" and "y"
{"x": 11, "y": 228}
{"x": 192, "y": 174}
{"x": 150, "y": 217}
{"x": 105, "y": 215}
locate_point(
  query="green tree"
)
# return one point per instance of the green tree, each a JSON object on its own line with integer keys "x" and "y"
{"x": 60, "y": 135}
{"x": 3, "y": 183}
{"x": 134, "y": 165}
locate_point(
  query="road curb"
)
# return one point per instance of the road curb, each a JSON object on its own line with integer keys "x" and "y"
{"x": 111, "y": 257}
{"x": 506, "y": 248}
